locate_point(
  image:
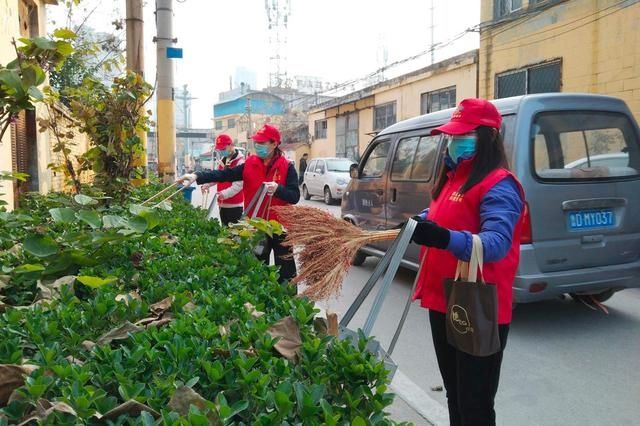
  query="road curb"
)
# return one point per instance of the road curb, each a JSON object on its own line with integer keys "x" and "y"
{"x": 419, "y": 400}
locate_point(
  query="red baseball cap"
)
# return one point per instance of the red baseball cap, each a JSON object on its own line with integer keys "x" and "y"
{"x": 470, "y": 114}
{"x": 223, "y": 141}
{"x": 267, "y": 133}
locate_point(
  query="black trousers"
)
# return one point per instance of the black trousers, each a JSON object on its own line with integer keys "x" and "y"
{"x": 471, "y": 382}
{"x": 283, "y": 257}
{"x": 230, "y": 215}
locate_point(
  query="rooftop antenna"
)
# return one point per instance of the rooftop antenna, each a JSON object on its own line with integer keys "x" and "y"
{"x": 278, "y": 12}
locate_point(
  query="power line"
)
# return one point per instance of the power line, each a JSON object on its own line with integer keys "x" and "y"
{"x": 563, "y": 32}
{"x": 562, "y": 25}
{"x": 431, "y": 49}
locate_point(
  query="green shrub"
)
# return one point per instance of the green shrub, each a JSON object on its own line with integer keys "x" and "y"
{"x": 212, "y": 306}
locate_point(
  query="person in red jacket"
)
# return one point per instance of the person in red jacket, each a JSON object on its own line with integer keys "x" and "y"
{"x": 474, "y": 194}
{"x": 230, "y": 195}
{"x": 268, "y": 166}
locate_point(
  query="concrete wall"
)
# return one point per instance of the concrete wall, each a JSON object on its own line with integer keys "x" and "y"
{"x": 597, "y": 41}
{"x": 80, "y": 144}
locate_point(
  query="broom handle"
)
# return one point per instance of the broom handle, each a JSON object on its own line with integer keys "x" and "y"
{"x": 177, "y": 191}
{"x": 404, "y": 239}
{"x": 407, "y": 305}
{"x": 371, "y": 282}
{"x": 205, "y": 200}
{"x": 161, "y": 192}
{"x": 211, "y": 208}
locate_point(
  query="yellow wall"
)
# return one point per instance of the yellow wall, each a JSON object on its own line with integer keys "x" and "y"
{"x": 57, "y": 181}
{"x": 407, "y": 96}
{"x": 598, "y": 42}
{"x": 365, "y": 125}
{"x": 405, "y": 91}
{"x": 324, "y": 147}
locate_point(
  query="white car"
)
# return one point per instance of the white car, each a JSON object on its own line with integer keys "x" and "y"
{"x": 326, "y": 177}
{"x": 616, "y": 159}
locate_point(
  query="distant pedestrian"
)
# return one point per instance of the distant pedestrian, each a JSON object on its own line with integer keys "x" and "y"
{"x": 303, "y": 167}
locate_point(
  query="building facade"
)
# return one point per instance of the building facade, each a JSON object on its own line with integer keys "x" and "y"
{"x": 534, "y": 46}
{"x": 239, "y": 117}
{"x": 343, "y": 127}
{"x": 24, "y": 149}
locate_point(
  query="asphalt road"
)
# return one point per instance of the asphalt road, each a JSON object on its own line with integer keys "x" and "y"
{"x": 564, "y": 363}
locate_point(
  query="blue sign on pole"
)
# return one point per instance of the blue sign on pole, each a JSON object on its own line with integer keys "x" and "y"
{"x": 174, "y": 52}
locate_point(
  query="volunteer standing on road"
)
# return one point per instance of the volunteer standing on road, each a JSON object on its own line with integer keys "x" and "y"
{"x": 474, "y": 194}
{"x": 230, "y": 194}
{"x": 268, "y": 166}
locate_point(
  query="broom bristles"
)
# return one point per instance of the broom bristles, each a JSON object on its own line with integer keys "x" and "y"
{"x": 325, "y": 247}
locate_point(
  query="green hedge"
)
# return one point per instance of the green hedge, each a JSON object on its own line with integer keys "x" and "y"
{"x": 212, "y": 307}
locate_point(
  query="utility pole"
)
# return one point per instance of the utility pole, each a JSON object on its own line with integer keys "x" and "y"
{"x": 186, "y": 98}
{"x": 250, "y": 129}
{"x": 166, "y": 126}
{"x": 135, "y": 63}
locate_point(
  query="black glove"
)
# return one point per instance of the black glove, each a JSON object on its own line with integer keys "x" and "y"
{"x": 401, "y": 224}
{"x": 430, "y": 234}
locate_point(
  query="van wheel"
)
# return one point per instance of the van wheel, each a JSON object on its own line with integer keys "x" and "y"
{"x": 358, "y": 259}
{"x": 328, "y": 199}
{"x": 305, "y": 193}
{"x": 600, "y": 297}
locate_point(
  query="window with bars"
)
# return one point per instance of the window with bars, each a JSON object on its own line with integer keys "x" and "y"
{"x": 542, "y": 78}
{"x": 218, "y": 124}
{"x": 347, "y": 136}
{"x": 438, "y": 100}
{"x": 320, "y": 129}
{"x": 231, "y": 123}
{"x": 384, "y": 115}
{"x": 502, "y": 8}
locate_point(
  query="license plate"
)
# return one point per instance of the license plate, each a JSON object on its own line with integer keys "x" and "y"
{"x": 591, "y": 219}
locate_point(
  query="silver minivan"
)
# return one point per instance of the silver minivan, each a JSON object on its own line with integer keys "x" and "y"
{"x": 582, "y": 222}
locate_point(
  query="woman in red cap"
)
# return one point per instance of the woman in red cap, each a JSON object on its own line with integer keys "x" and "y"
{"x": 474, "y": 194}
{"x": 268, "y": 166}
{"x": 230, "y": 195}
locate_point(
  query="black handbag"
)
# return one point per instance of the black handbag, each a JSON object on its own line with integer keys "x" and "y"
{"x": 472, "y": 307}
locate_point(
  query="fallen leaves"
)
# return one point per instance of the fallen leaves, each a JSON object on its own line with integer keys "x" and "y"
{"x": 288, "y": 334}
{"x": 11, "y": 378}
{"x": 119, "y": 333}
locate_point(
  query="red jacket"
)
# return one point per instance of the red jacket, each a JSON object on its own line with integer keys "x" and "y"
{"x": 238, "y": 198}
{"x": 255, "y": 173}
{"x": 461, "y": 212}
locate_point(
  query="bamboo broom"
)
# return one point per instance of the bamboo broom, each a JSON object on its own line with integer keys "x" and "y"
{"x": 325, "y": 247}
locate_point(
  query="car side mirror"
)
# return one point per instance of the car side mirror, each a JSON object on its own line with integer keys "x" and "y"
{"x": 353, "y": 171}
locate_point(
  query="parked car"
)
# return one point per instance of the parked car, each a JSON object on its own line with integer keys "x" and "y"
{"x": 581, "y": 230}
{"x": 620, "y": 159}
{"x": 326, "y": 177}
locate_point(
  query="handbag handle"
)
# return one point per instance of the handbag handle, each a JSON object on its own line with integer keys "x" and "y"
{"x": 468, "y": 271}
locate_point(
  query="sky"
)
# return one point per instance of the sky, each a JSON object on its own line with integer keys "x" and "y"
{"x": 335, "y": 40}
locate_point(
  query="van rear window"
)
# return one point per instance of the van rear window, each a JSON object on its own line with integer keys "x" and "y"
{"x": 578, "y": 145}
